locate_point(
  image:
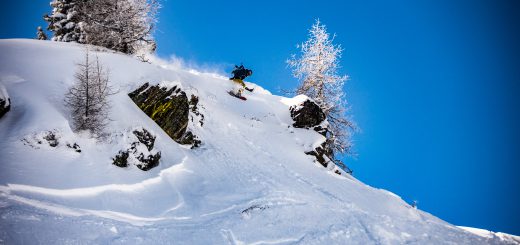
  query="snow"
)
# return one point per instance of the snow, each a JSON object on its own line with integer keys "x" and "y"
{"x": 170, "y": 84}
{"x": 248, "y": 183}
{"x": 70, "y": 25}
{"x": 296, "y": 100}
{"x": 58, "y": 15}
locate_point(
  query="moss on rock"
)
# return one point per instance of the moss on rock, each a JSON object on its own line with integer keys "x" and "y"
{"x": 169, "y": 108}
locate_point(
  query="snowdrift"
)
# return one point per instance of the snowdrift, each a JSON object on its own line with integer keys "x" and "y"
{"x": 248, "y": 183}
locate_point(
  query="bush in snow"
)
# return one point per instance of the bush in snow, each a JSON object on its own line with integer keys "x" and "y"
{"x": 317, "y": 71}
{"x": 87, "y": 99}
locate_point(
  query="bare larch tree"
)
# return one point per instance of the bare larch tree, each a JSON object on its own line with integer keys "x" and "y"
{"x": 316, "y": 68}
{"x": 88, "y": 98}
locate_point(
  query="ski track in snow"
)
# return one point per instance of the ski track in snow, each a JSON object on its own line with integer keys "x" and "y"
{"x": 248, "y": 183}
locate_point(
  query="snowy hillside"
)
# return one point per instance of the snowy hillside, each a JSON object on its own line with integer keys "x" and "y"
{"x": 248, "y": 183}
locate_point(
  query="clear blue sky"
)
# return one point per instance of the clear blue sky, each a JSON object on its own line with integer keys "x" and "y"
{"x": 434, "y": 86}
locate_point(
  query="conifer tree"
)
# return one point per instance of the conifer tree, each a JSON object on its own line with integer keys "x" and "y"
{"x": 65, "y": 21}
{"x": 316, "y": 68}
{"x": 40, "y": 35}
{"x": 121, "y": 25}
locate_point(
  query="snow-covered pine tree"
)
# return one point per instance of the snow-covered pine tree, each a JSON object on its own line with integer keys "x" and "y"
{"x": 65, "y": 21}
{"x": 40, "y": 35}
{"x": 316, "y": 68}
{"x": 87, "y": 99}
{"x": 122, "y": 25}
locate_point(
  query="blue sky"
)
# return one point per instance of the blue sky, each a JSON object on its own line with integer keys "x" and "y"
{"x": 434, "y": 86}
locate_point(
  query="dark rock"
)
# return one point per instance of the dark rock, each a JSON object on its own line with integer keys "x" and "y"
{"x": 121, "y": 159}
{"x": 190, "y": 139}
{"x": 143, "y": 160}
{"x": 53, "y": 138}
{"x": 5, "y": 106}
{"x": 306, "y": 115}
{"x": 148, "y": 162}
{"x": 194, "y": 101}
{"x": 321, "y": 130}
{"x": 169, "y": 108}
{"x": 75, "y": 147}
{"x": 254, "y": 207}
{"x": 145, "y": 137}
{"x": 322, "y": 153}
{"x": 342, "y": 165}
{"x": 138, "y": 91}
{"x": 50, "y": 137}
{"x": 309, "y": 115}
{"x": 5, "y": 101}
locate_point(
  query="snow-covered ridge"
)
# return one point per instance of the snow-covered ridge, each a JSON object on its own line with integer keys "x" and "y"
{"x": 248, "y": 183}
{"x": 490, "y": 235}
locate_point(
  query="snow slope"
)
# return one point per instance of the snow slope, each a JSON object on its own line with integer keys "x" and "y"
{"x": 249, "y": 183}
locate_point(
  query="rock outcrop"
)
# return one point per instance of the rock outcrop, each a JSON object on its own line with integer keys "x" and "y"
{"x": 140, "y": 153}
{"x": 309, "y": 115}
{"x": 322, "y": 153}
{"x": 170, "y": 109}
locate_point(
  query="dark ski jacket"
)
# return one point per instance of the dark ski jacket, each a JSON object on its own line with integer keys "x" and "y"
{"x": 240, "y": 72}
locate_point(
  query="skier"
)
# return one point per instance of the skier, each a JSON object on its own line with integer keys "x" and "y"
{"x": 239, "y": 74}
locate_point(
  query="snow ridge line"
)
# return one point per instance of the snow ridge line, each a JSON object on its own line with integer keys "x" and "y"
{"x": 75, "y": 212}
{"x": 97, "y": 190}
{"x": 231, "y": 238}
